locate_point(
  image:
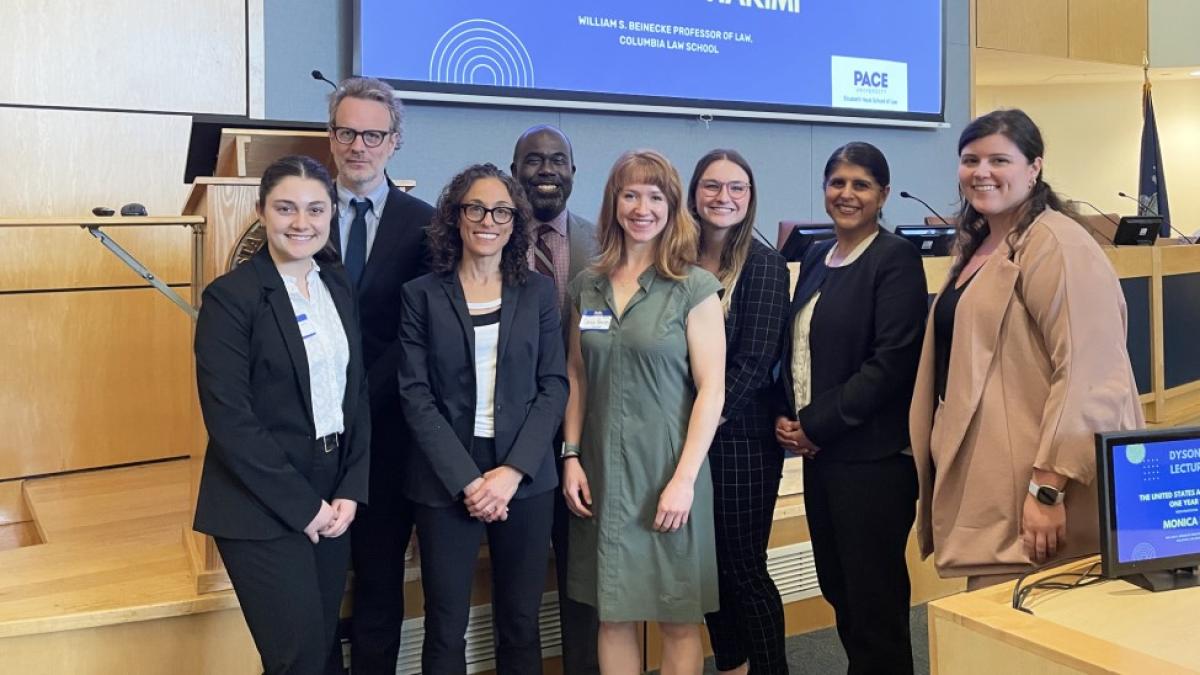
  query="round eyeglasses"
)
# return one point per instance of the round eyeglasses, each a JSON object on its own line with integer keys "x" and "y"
{"x": 372, "y": 138}
{"x": 501, "y": 215}
{"x": 737, "y": 189}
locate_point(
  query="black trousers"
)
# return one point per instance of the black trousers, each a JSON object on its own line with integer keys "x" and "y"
{"x": 859, "y": 515}
{"x": 519, "y": 549}
{"x": 579, "y": 622}
{"x": 291, "y": 589}
{"x": 749, "y": 626}
{"x": 381, "y": 531}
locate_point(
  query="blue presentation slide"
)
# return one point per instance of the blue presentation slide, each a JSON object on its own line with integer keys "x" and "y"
{"x": 880, "y": 55}
{"x": 1157, "y": 493}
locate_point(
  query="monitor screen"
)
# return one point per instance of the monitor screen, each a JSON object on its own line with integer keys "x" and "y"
{"x": 798, "y": 59}
{"x": 1156, "y": 499}
{"x": 1149, "y": 492}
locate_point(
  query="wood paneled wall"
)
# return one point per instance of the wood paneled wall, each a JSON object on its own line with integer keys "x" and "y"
{"x": 1029, "y": 26}
{"x": 125, "y": 55}
{"x": 1112, "y": 31}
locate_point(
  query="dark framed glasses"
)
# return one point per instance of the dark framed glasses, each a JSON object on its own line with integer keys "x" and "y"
{"x": 372, "y": 138}
{"x": 475, "y": 213}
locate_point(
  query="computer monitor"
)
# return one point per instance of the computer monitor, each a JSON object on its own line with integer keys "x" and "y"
{"x": 1137, "y": 230}
{"x": 801, "y": 238}
{"x": 1149, "y": 490}
{"x": 930, "y": 240}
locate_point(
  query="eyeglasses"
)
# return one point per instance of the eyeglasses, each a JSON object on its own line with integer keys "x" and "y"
{"x": 737, "y": 189}
{"x": 501, "y": 215}
{"x": 372, "y": 138}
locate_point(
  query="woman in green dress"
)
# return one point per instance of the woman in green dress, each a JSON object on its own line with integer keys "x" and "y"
{"x": 646, "y": 367}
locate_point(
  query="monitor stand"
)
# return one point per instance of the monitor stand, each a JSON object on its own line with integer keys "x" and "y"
{"x": 1165, "y": 580}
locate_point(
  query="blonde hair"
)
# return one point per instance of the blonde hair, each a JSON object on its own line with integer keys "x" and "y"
{"x": 676, "y": 249}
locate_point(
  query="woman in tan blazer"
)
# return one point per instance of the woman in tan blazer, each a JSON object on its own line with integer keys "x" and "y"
{"x": 1023, "y": 360}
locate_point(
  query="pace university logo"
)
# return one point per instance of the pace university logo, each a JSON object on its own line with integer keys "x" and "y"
{"x": 869, "y": 84}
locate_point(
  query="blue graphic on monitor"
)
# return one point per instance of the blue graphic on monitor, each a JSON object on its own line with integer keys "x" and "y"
{"x": 479, "y": 51}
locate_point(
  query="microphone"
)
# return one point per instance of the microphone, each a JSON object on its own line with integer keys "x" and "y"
{"x": 316, "y": 75}
{"x": 1150, "y": 206}
{"x": 1105, "y": 215}
{"x": 909, "y": 195}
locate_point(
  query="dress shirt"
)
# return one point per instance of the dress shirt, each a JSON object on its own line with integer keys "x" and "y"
{"x": 560, "y": 247}
{"x": 326, "y": 347}
{"x": 378, "y": 198}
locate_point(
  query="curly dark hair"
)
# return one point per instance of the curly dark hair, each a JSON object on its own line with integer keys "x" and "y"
{"x": 973, "y": 228}
{"x": 445, "y": 242}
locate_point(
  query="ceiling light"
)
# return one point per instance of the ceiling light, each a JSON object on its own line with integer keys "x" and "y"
{"x": 1194, "y": 73}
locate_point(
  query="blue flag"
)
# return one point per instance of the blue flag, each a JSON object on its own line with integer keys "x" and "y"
{"x": 1152, "y": 184}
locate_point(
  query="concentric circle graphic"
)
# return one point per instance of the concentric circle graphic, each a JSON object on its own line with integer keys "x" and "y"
{"x": 481, "y": 51}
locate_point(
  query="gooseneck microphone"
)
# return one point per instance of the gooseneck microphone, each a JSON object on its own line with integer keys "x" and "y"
{"x": 909, "y": 195}
{"x": 316, "y": 75}
{"x": 1150, "y": 206}
{"x": 1105, "y": 215}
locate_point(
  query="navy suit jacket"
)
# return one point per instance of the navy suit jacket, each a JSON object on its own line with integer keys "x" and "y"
{"x": 253, "y": 380}
{"x": 437, "y": 386}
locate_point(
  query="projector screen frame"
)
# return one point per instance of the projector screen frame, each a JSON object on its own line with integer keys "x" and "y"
{"x": 554, "y": 99}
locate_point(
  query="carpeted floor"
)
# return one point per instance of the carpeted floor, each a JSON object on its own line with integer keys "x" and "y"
{"x": 820, "y": 652}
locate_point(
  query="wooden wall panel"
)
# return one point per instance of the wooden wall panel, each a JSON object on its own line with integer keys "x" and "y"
{"x": 94, "y": 379}
{"x": 1114, "y": 31}
{"x": 1030, "y": 26}
{"x": 40, "y": 258}
{"x": 13, "y": 508}
{"x": 125, "y": 54}
{"x": 64, "y": 162}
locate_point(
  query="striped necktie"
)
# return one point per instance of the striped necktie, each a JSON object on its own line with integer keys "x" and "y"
{"x": 543, "y": 261}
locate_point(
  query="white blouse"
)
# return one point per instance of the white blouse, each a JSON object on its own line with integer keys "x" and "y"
{"x": 327, "y": 349}
{"x": 487, "y": 352}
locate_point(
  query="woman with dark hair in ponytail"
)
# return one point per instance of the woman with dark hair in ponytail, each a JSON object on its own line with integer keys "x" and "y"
{"x": 1024, "y": 359}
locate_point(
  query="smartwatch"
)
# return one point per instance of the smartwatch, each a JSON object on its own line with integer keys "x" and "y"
{"x": 1046, "y": 494}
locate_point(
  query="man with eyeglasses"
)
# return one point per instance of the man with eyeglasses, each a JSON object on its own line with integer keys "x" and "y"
{"x": 562, "y": 244}
{"x": 380, "y": 235}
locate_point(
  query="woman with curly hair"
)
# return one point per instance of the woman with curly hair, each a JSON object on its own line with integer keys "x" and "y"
{"x": 483, "y": 385}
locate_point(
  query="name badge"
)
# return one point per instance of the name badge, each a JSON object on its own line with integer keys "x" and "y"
{"x": 307, "y": 329}
{"x": 595, "y": 319}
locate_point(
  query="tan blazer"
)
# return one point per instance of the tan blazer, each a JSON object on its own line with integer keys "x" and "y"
{"x": 1038, "y": 365}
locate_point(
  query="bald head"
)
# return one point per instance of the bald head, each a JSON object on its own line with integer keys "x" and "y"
{"x": 544, "y": 163}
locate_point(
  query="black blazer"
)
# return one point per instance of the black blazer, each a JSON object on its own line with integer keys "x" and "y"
{"x": 865, "y": 339}
{"x": 253, "y": 380}
{"x": 437, "y": 386}
{"x": 398, "y": 256}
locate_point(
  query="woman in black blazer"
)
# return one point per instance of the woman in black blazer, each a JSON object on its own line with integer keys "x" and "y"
{"x": 280, "y": 377}
{"x": 483, "y": 384}
{"x": 849, "y": 363}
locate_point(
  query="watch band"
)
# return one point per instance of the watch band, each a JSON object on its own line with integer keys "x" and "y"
{"x": 569, "y": 450}
{"x": 1047, "y": 494}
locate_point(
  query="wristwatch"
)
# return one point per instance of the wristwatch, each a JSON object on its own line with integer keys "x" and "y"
{"x": 569, "y": 450}
{"x": 1046, "y": 494}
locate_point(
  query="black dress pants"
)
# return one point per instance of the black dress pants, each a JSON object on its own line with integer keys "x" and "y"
{"x": 381, "y": 531}
{"x": 290, "y": 591}
{"x": 519, "y": 549}
{"x": 859, "y": 516}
